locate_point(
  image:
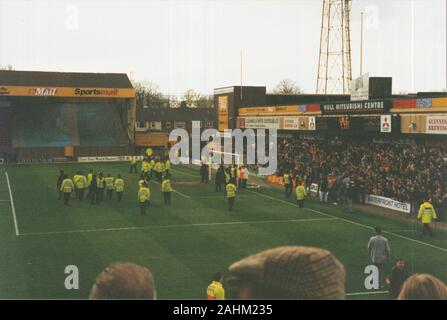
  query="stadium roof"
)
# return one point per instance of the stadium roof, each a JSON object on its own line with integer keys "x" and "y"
{"x": 64, "y": 79}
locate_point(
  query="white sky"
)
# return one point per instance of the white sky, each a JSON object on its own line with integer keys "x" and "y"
{"x": 196, "y": 44}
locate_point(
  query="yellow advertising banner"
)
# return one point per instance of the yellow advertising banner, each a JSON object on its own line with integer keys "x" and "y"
{"x": 271, "y": 110}
{"x": 67, "y": 92}
{"x": 439, "y": 102}
{"x": 222, "y": 111}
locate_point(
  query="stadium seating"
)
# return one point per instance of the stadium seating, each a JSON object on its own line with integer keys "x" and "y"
{"x": 5, "y": 126}
{"x": 100, "y": 125}
{"x": 60, "y": 125}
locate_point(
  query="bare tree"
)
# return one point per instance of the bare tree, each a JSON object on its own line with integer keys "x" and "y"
{"x": 287, "y": 86}
{"x": 149, "y": 95}
{"x": 191, "y": 97}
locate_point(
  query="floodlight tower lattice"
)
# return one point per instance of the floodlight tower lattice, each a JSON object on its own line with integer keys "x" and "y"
{"x": 334, "y": 63}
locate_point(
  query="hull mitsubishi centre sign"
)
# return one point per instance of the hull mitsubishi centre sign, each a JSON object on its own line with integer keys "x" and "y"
{"x": 369, "y": 106}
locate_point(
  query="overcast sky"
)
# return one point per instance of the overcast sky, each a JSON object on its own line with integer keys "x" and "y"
{"x": 196, "y": 44}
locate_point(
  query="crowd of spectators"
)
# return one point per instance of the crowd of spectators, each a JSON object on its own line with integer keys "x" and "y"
{"x": 402, "y": 172}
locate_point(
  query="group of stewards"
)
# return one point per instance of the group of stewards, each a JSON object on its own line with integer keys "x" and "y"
{"x": 95, "y": 184}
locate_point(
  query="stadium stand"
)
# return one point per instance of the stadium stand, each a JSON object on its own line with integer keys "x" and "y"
{"x": 5, "y": 127}
{"x": 100, "y": 125}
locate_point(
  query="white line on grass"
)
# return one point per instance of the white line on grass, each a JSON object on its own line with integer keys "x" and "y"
{"x": 352, "y": 222}
{"x": 16, "y": 225}
{"x": 223, "y": 196}
{"x": 173, "y": 190}
{"x": 176, "y": 226}
{"x": 366, "y": 293}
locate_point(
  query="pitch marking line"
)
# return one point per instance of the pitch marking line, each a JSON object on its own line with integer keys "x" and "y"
{"x": 173, "y": 190}
{"x": 223, "y": 196}
{"x": 176, "y": 226}
{"x": 16, "y": 225}
{"x": 366, "y": 293}
{"x": 355, "y": 223}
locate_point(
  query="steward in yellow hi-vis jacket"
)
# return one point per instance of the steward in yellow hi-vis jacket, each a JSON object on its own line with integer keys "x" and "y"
{"x": 67, "y": 187}
{"x": 158, "y": 168}
{"x": 287, "y": 184}
{"x": 109, "y": 186}
{"x": 167, "y": 166}
{"x": 426, "y": 214}
{"x": 75, "y": 179}
{"x": 215, "y": 290}
{"x": 81, "y": 184}
{"x": 231, "y": 193}
{"x": 100, "y": 186}
{"x": 119, "y": 187}
{"x": 89, "y": 183}
{"x": 300, "y": 194}
{"x": 133, "y": 164}
{"x": 144, "y": 194}
{"x": 166, "y": 188}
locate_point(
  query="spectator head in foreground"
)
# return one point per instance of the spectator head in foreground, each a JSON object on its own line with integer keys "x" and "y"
{"x": 289, "y": 273}
{"x": 423, "y": 287}
{"x": 124, "y": 280}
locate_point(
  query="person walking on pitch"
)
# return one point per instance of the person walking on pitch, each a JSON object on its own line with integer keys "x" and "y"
{"x": 81, "y": 185}
{"x": 133, "y": 164}
{"x": 231, "y": 193}
{"x": 67, "y": 187}
{"x": 166, "y": 189}
{"x": 426, "y": 214}
{"x": 300, "y": 194}
{"x": 144, "y": 195}
{"x": 109, "y": 186}
{"x": 119, "y": 187}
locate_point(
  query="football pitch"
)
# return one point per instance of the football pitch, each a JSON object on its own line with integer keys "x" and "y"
{"x": 183, "y": 244}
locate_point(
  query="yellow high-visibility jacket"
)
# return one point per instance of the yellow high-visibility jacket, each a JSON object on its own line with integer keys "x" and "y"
{"x": 231, "y": 190}
{"x": 426, "y": 212}
{"x": 67, "y": 185}
{"x": 119, "y": 185}
{"x": 166, "y": 186}
{"x": 215, "y": 291}
{"x": 89, "y": 179}
{"x": 144, "y": 194}
{"x": 81, "y": 182}
{"x": 109, "y": 183}
{"x": 300, "y": 192}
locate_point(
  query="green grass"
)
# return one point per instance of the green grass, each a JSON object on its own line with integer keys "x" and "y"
{"x": 183, "y": 244}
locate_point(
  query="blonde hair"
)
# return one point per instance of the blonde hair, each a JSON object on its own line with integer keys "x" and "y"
{"x": 423, "y": 287}
{"x": 124, "y": 280}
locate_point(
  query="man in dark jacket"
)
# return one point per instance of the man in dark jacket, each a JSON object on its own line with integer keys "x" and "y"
{"x": 397, "y": 278}
{"x": 220, "y": 178}
{"x": 59, "y": 183}
{"x": 351, "y": 192}
{"x": 204, "y": 173}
